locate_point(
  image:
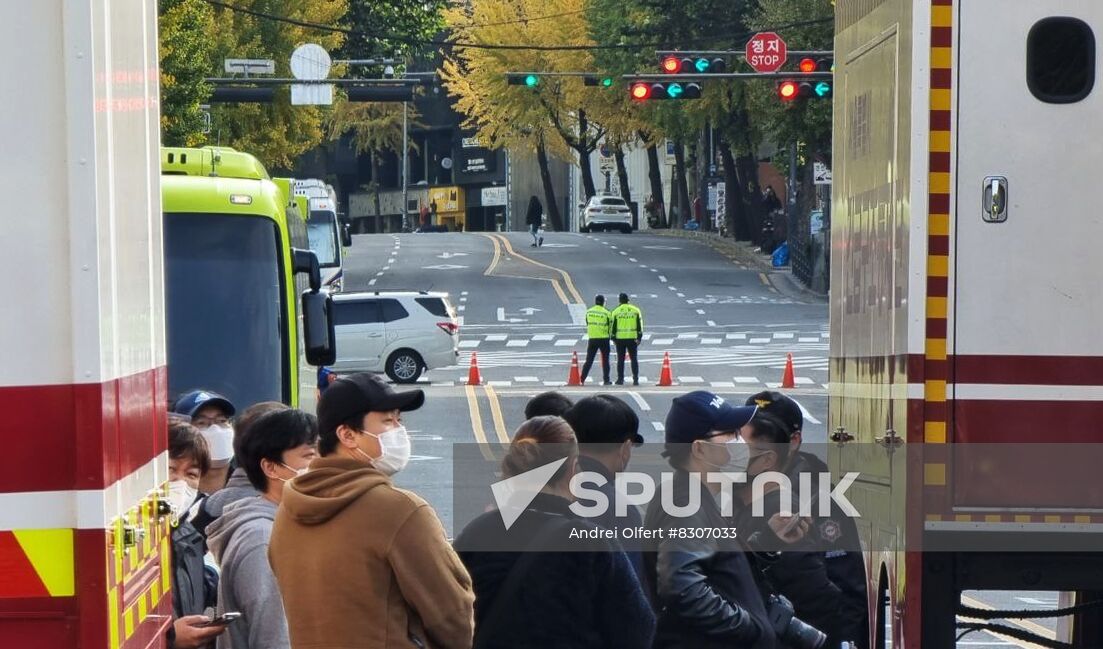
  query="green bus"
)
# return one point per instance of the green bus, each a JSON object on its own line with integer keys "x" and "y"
{"x": 245, "y": 313}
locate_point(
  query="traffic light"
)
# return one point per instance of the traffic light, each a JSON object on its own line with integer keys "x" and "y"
{"x": 792, "y": 89}
{"x": 380, "y": 93}
{"x": 522, "y": 79}
{"x": 644, "y": 90}
{"x": 698, "y": 65}
{"x": 242, "y": 94}
{"x": 601, "y": 82}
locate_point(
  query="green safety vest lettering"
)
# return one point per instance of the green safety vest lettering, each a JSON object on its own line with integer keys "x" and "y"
{"x": 598, "y": 321}
{"x": 628, "y": 320}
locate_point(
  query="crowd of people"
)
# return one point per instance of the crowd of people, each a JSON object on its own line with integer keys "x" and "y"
{"x": 288, "y": 531}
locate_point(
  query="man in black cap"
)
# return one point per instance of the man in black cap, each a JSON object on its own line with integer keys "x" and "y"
{"x": 359, "y": 561}
{"x": 210, "y": 412}
{"x": 827, "y": 585}
{"x": 704, "y": 588}
{"x": 607, "y": 428}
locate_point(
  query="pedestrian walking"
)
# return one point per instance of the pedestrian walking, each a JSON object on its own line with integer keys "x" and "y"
{"x": 534, "y": 218}
{"x": 627, "y": 331}
{"x": 274, "y": 449}
{"x": 532, "y": 593}
{"x": 599, "y": 322}
{"x": 360, "y": 562}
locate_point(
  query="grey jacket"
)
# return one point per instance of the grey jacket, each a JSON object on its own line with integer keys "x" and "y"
{"x": 239, "y": 541}
{"x": 237, "y": 487}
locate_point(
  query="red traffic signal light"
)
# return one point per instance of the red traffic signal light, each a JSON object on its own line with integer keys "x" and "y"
{"x": 671, "y": 65}
{"x": 641, "y": 91}
{"x": 788, "y": 90}
{"x": 808, "y": 65}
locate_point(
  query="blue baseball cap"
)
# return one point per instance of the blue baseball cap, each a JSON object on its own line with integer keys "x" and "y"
{"x": 189, "y": 403}
{"x": 695, "y": 415}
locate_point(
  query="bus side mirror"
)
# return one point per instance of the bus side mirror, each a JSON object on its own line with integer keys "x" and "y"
{"x": 305, "y": 261}
{"x": 346, "y": 236}
{"x": 318, "y": 333}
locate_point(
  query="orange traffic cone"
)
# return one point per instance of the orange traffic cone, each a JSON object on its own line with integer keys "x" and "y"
{"x": 666, "y": 376}
{"x": 473, "y": 375}
{"x": 573, "y": 377}
{"x": 787, "y": 379}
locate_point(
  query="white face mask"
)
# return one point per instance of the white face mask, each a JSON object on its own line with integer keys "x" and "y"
{"x": 181, "y": 495}
{"x": 220, "y": 439}
{"x": 395, "y": 447}
{"x": 739, "y": 455}
{"x": 297, "y": 472}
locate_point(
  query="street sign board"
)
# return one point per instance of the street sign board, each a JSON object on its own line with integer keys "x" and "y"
{"x": 311, "y": 62}
{"x": 606, "y": 165}
{"x": 494, "y": 196}
{"x": 250, "y": 66}
{"x": 821, "y": 174}
{"x": 766, "y": 52}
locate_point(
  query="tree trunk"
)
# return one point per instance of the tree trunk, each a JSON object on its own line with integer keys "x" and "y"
{"x": 733, "y": 208}
{"x": 622, "y": 175}
{"x": 584, "y": 152}
{"x": 550, "y": 204}
{"x": 654, "y": 175}
{"x": 683, "y": 187}
{"x": 380, "y": 223}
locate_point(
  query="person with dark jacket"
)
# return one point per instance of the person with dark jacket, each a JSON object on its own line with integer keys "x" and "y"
{"x": 531, "y": 593}
{"x": 194, "y": 588}
{"x": 534, "y": 217}
{"x": 704, "y": 589}
{"x": 839, "y": 605}
{"x": 607, "y": 428}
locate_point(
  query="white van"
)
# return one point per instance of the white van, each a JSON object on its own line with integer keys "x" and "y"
{"x": 402, "y": 333}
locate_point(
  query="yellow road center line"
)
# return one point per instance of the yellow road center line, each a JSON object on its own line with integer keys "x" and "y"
{"x": 477, "y": 422}
{"x": 762, "y": 276}
{"x": 564, "y": 274}
{"x": 1022, "y": 624}
{"x": 496, "y": 414}
{"x": 497, "y": 255}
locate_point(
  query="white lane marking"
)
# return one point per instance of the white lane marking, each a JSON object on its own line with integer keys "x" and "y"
{"x": 463, "y": 292}
{"x": 803, "y": 380}
{"x": 493, "y": 338}
{"x": 658, "y": 426}
{"x": 687, "y": 336}
{"x": 469, "y": 344}
{"x": 722, "y": 384}
{"x": 654, "y": 270}
{"x": 391, "y": 260}
{"x": 461, "y": 308}
{"x": 710, "y": 341}
{"x": 736, "y": 336}
{"x": 526, "y": 379}
{"x": 633, "y": 260}
{"x": 644, "y": 406}
{"x": 672, "y": 288}
{"x": 463, "y": 299}
{"x": 681, "y": 294}
{"x": 543, "y": 337}
{"x": 746, "y": 379}
{"x": 644, "y": 266}
{"x": 499, "y": 384}
{"x": 662, "y": 278}
{"x": 759, "y": 341}
{"x": 783, "y": 336}
{"x": 371, "y": 282}
{"x": 691, "y": 379}
{"x": 554, "y": 384}
{"x": 623, "y": 253}
{"x": 566, "y": 343}
{"x": 711, "y": 323}
{"x": 612, "y": 246}
{"x": 700, "y": 312}
{"x": 386, "y": 268}
{"x": 517, "y": 343}
{"x": 379, "y": 274}
{"x": 662, "y": 341}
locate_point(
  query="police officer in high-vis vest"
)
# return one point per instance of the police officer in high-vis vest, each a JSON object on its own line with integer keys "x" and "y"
{"x": 598, "y": 323}
{"x": 627, "y": 333}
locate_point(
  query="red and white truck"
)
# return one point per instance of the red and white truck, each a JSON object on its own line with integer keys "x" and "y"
{"x": 84, "y": 553}
{"x": 966, "y": 356}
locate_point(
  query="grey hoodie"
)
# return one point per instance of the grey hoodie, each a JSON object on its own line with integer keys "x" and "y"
{"x": 237, "y": 487}
{"x": 239, "y": 541}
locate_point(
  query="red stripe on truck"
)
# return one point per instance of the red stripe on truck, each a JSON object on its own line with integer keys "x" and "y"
{"x": 1029, "y": 370}
{"x": 81, "y": 436}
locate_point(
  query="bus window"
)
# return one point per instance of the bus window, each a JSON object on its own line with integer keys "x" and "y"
{"x": 321, "y": 229}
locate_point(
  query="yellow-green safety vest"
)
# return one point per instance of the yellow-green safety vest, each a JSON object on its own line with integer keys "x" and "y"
{"x": 628, "y": 320}
{"x": 598, "y": 321}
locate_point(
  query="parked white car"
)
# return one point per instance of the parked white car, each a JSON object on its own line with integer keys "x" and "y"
{"x": 605, "y": 213}
{"x": 402, "y": 333}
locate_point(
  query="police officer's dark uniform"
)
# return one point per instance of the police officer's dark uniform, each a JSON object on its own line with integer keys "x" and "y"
{"x": 826, "y": 582}
{"x": 599, "y": 322}
{"x": 627, "y": 332}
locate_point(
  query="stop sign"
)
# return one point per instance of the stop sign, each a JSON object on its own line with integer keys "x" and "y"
{"x": 766, "y": 52}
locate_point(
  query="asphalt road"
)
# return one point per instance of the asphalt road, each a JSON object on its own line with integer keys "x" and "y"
{"x": 725, "y": 327}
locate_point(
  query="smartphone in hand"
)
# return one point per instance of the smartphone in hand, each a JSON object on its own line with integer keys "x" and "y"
{"x": 221, "y": 620}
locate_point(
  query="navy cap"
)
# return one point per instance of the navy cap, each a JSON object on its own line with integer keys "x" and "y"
{"x": 693, "y": 416}
{"x": 189, "y": 403}
{"x": 361, "y": 393}
{"x": 780, "y": 406}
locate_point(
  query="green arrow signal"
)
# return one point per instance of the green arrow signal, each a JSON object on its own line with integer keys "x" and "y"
{"x": 823, "y": 89}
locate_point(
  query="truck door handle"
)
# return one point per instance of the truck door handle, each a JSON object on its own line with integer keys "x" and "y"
{"x": 375, "y": 335}
{"x": 994, "y": 199}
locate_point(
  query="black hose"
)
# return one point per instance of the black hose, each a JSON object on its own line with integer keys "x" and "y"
{"x": 1018, "y": 634}
{"x": 1025, "y": 614}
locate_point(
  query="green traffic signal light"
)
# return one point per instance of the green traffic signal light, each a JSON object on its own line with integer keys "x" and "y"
{"x": 822, "y": 89}
{"x": 674, "y": 90}
{"x": 702, "y": 65}
{"x": 531, "y": 80}
{"x": 607, "y": 82}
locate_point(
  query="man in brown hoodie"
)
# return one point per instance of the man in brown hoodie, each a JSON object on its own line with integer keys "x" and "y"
{"x": 361, "y": 563}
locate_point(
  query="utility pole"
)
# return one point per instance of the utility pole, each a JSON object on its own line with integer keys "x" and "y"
{"x": 405, "y": 168}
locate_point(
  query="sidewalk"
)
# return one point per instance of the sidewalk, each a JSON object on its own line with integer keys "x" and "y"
{"x": 743, "y": 253}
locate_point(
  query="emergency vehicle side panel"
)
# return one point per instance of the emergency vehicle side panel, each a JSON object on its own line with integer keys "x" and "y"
{"x": 82, "y": 384}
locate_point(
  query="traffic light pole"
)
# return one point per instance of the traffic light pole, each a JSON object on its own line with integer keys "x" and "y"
{"x": 737, "y": 53}
{"x": 727, "y": 75}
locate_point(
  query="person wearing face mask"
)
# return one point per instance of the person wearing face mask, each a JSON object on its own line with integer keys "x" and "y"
{"x": 360, "y": 562}
{"x": 705, "y": 590}
{"x": 607, "y": 429}
{"x": 193, "y": 587}
{"x": 528, "y": 594}
{"x": 272, "y": 450}
{"x": 210, "y": 413}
